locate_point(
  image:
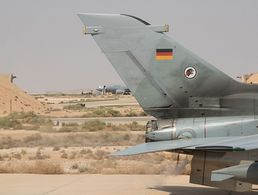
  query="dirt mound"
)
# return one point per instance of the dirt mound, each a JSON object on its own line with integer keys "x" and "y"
{"x": 250, "y": 78}
{"x": 13, "y": 99}
{"x": 253, "y": 78}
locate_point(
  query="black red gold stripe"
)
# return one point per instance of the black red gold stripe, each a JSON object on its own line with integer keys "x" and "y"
{"x": 164, "y": 50}
{"x": 164, "y": 54}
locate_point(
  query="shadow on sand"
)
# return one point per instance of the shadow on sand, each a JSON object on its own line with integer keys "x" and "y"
{"x": 184, "y": 190}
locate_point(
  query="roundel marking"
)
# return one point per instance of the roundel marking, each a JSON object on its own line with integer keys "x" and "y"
{"x": 190, "y": 72}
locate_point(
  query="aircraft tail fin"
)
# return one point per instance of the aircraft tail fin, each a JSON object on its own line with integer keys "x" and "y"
{"x": 159, "y": 71}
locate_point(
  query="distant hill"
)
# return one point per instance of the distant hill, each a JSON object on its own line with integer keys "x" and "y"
{"x": 252, "y": 78}
{"x": 13, "y": 99}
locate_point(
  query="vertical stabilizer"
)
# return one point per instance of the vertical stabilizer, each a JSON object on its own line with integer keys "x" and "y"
{"x": 158, "y": 70}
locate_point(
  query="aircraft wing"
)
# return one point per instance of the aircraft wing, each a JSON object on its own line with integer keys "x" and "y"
{"x": 239, "y": 143}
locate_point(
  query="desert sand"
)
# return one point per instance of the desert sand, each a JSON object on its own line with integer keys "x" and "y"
{"x": 13, "y": 99}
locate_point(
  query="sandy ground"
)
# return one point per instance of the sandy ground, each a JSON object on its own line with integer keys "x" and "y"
{"x": 59, "y": 102}
{"x": 124, "y": 104}
{"x": 15, "y": 184}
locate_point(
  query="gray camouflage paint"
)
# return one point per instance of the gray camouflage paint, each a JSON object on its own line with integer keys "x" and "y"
{"x": 211, "y": 116}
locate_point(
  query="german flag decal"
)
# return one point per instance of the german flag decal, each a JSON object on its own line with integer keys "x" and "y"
{"x": 164, "y": 54}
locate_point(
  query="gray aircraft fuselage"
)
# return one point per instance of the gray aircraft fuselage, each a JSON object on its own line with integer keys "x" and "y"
{"x": 191, "y": 99}
{"x": 204, "y": 127}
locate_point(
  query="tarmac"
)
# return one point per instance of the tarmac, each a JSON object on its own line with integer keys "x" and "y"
{"x": 30, "y": 184}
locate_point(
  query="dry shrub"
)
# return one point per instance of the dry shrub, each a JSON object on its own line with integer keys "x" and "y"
{"x": 56, "y": 148}
{"x": 5, "y": 155}
{"x": 103, "y": 138}
{"x": 73, "y": 155}
{"x": 134, "y": 126}
{"x": 9, "y": 123}
{"x": 99, "y": 166}
{"x": 74, "y": 107}
{"x": 26, "y": 120}
{"x": 38, "y": 167}
{"x": 46, "y": 128}
{"x": 31, "y": 127}
{"x": 17, "y": 156}
{"x": 126, "y": 137}
{"x": 94, "y": 125}
{"x": 87, "y": 153}
{"x": 39, "y": 156}
{"x": 83, "y": 169}
{"x": 44, "y": 167}
{"x": 7, "y": 142}
{"x": 68, "y": 129}
{"x": 94, "y": 112}
{"x": 131, "y": 114}
{"x": 33, "y": 138}
{"x": 92, "y": 168}
{"x": 100, "y": 154}
{"x": 6, "y": 169}
{"x": 109, "y": 163}
{"x": 75, "y": 166}
{"x": 104, "y": 112}
{"x": 23, "y": 152}
{"x": 64, "y": 155}
{"x": 70, "y": 124}
{"x": 83, "y": 151}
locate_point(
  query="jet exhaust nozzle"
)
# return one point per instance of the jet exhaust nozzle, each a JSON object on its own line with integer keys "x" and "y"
{"x": 162, "y": 134}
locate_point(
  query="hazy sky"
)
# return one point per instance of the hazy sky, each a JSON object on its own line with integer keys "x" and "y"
{"x": 42, "y": 41}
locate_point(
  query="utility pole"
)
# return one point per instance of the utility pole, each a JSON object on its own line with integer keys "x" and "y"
{"x": 11, "y": 106}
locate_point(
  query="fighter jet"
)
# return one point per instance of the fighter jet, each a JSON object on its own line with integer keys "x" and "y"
{"x": 114, "y": 89}
{"x": 199, "y": 110}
